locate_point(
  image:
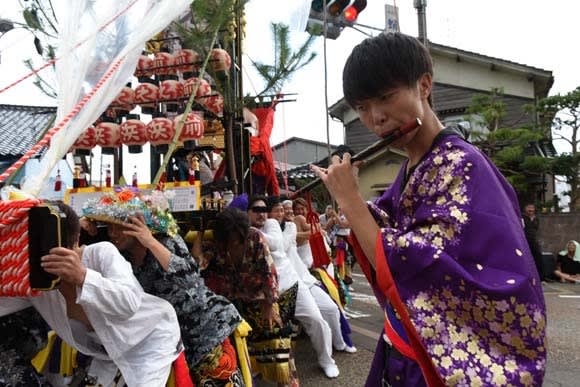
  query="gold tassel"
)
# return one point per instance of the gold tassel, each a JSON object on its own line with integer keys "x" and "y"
{"x": 68, "y": 357}
{"x": 242, "y": 331}
{"x": 39, "y": 361}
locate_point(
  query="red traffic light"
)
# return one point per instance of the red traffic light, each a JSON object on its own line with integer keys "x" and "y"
{"x": 350, "y": 14}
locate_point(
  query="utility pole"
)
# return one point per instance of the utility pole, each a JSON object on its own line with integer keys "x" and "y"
{"x": 421, "y": 6}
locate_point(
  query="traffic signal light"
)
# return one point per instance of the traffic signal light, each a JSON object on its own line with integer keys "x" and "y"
{"x": 335, "y": 7}
{"x": 339, "y": 14}
{"x": 350, "y": 14}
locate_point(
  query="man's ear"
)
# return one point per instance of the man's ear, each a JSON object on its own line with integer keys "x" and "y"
{"x": 425, "y": 84}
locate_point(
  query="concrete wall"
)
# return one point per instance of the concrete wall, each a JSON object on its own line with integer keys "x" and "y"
{"x": 557, "y": 229}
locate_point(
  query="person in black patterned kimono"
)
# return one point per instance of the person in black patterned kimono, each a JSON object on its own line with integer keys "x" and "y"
{"x": 145, "y": 232}
{"x": 23, "y": 333}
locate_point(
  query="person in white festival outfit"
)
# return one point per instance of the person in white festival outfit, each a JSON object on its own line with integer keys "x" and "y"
{"x": 307, "y": 312}
{"x": 101, "y": 310}
{"x": 326, "y": 305}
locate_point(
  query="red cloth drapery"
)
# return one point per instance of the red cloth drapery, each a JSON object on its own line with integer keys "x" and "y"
{"x": 260, "y": 148}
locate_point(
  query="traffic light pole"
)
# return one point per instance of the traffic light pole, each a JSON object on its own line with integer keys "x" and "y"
{"x": 325, "y": 21}
{"x": 364, "y": 26}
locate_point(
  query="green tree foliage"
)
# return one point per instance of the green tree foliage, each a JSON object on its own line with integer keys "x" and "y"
{"x": 318, "y": 194}
{"x": 490, "y": 107}
{"x": 286, "y": 61}
{"x": 207, "y": 16}
{"x": 561, "y": 114}
{"x": 40, "y": 20}
{"x": 509, "y": 148}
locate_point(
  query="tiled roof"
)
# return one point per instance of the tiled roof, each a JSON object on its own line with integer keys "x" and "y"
{"x": 21, "y": 127}
{"x": 302, "y": 140}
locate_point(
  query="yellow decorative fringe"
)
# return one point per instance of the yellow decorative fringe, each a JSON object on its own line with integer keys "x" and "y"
{"x": 278, "y": 372}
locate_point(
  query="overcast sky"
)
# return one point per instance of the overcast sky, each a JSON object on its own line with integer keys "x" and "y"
{"x": 535, "y": 33}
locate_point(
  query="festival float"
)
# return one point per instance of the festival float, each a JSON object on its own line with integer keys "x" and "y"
{"x": 172, "y": 87}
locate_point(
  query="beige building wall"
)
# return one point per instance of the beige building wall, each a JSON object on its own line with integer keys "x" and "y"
{"x": 474, "y": 76}
{"x": 379, "y": 172}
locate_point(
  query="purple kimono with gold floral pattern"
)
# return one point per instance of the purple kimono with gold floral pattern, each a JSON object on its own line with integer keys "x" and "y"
{"x": 456, "y": 249}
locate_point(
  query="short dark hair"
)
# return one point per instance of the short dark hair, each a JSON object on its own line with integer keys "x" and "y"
{"x": 254, "y": 198}
{"x": 229, "y": 223}
{"x": 383, "y": 63}
{"x": 272, "y": 202}
{"x": 70, "y": 226}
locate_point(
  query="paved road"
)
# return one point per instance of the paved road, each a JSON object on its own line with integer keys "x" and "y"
{"x": 563, "y": 303}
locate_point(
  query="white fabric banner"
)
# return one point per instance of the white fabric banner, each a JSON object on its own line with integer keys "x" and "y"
{"x": 110, "y": 31}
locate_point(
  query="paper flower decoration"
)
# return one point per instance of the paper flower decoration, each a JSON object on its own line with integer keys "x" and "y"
{"x": 119, "y": 205}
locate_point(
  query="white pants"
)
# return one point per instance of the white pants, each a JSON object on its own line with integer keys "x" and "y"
{"x": 308, "y": 314}
{"x": 330, "y": 313}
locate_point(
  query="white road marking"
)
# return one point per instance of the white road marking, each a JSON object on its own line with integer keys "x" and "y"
{"x": 352, "y": 314}
{"x": 362, "y": 297}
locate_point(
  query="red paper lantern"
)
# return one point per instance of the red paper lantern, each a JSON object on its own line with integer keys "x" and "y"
{"x": 187, "y": 61}
{"x": 203, "y": 87}
{"x": 215, "y": 104}
{"x": 134, "y": 133}
{"x": 108, "y": 136}
{"x": 125, "y": 101}
{"x": 221, "y": 62}
{"x": 144, "y": 67}
{"x": 164, "y": 63}
{"x": 160, "y": 132}
{"x": 192, "y": 128}
{"x": 85, "y": 142}
{"x": 147, "y": 95}
{"x": 171, "y": 91}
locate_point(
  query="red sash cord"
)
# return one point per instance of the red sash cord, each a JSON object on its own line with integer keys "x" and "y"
{"x": 416, "y": 350}
{"x": 387, "y": 285}
{"x": 400, "y": 344}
